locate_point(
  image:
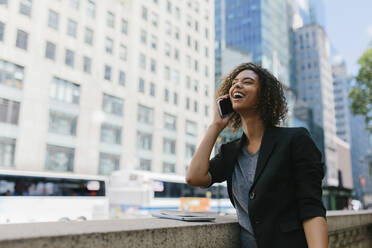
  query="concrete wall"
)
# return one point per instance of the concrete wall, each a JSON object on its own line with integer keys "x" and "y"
{"x": 346, "y": 229}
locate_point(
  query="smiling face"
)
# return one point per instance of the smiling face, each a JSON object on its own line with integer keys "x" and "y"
{"x": 244, "y": 91}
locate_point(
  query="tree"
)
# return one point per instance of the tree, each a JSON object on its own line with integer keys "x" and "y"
{"x": 361, "y": 92}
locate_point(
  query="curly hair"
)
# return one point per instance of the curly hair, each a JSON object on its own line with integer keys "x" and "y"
{"x": 272, "y": 104}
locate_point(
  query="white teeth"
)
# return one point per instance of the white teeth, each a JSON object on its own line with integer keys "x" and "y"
{"x": 238, "y": 95}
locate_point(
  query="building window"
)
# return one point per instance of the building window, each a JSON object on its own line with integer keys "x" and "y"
{"x": 153, "y": 65}
{"x": 154, "y": 19}
{"x": 176, "y": 54}
{"x": 191, "y": 128}
{"x": 188, "y": 82}
{"x": 59, "y": 158}
{"x": 169, "y": 167}
{"x": 110, "y": 134}
{"x": 91, "y": 9}
{"x": 190, "y": 151}
{"x": 169, "y": 7}
{"x": 166, "y": 95}
{"x": 65, "y": 91}
{"x": 124, "y": 26}
{"x": 206, "y": 52}
{"x": 141, "y": 85}
{"x": 87, "y": 64}
{"x": 11, "y": 74}
{"x": 207, "y": 33}
{"x": 9, "y": 111}
{"x": 123, "y": 52}
{"x": 195, "y": 106}
{"x": 188, "y": 40}
{"x": 62, "y": 123}
{"x": 112, "y": 105}
{"x": 50, "y": 50}
{"x": 107, "y": 73}
{"x": 196, "y": 65}
{"x": 108, "y": 163}
{"x": 206, "y": 71}
{"x": 175, "y": 98}
{"x": 144, "y": 141}
{"x": 145, "y": 115}
{"x": 196, "y": 45}
{"x": 177, "y": 33}
{"x": 169, "y": 146}
{"x": 167, "y": 73}
{"x": 167, "y": 48}
{"x": 188, "y": 20}
{"x": 196, "y": 26}
{"x": 25, "y": 7}
{"x": 122, "y": 78}
{"x": 88, "y": 36}
{"x": 74, "y": 4}
{"x": 110, "y": 19}
{"x": 69, "y": 58}
{"x": 22, "y": 39}
{"x": 187, "y": 103}
{"x": 196, "y": 85}
{"x": 144, "y": 164}
{"x": 7, "y": 151}
{"x": 206, "y": 110}
{"x": 71, "y": 28}
{"x": 176, "y": 76}
{"x": 178, "y": 13}
{"x": 152, "y": 89}
{"x": 168, "y": 28}
{"x": 170, "y": 122}
{"x": 188, "y": 61}
{"x": 2, "y": 31}
{"x": 154, "y": 42}
{"x": 144, "y": 13}
{"x": 109, "y": 45}
{"x": 143, "y": 36}
{"x": 53, "y": 19}
{"x": 142, "y": 61}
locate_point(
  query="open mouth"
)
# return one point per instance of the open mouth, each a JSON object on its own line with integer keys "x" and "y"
{"x": 238, "y": 95}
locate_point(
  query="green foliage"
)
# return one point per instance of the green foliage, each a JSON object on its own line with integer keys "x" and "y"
{"x": 361, "y": 92}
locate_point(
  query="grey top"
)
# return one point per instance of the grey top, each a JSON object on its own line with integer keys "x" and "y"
{"x": 242, "y": 180}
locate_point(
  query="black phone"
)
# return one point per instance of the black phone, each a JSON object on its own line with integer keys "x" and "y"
{"x": 225, "y": 107}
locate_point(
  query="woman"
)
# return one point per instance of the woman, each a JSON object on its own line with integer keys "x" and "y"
{"x": 273, "y": 173}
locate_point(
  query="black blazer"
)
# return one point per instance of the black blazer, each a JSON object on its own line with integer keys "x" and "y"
{"x": 287, "y": 185}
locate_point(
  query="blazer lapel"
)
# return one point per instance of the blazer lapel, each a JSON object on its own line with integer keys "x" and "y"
{"x": 267, "y": 146}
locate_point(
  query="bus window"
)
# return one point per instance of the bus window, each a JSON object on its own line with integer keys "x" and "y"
{"x": 11, "y": 185}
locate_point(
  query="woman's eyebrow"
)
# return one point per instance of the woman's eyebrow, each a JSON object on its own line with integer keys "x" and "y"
{"x": 244, "y": 78}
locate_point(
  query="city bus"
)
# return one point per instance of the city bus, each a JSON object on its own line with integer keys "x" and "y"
{"x": 41, "y": 196}
{"x": 136, "y": 193}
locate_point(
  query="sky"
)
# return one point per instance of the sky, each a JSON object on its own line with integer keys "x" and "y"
{"x": 349, "y": 28}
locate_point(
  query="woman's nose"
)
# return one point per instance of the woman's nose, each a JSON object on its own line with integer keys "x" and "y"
{"x": 238, "y": 84}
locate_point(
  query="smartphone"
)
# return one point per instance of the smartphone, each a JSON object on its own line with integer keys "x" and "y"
{"x": 225, "y": 107}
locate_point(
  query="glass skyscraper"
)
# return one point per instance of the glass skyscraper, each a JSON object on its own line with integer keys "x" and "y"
{"x": 260, "y": 27}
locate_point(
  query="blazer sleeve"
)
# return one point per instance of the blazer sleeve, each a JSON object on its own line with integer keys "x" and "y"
{"x": 308, "y": 173}
{"x": 217, "y": 169}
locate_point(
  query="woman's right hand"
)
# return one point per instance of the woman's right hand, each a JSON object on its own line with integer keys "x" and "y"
{"x": 218, "y": 121}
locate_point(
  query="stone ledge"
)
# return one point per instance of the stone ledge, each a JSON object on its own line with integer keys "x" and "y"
{"x": 346, "y": 229}
{"x": 151, "y": 232}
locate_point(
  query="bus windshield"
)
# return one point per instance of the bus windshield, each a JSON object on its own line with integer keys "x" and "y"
{"x": 16, "y": 185}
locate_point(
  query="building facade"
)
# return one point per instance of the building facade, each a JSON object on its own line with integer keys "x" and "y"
{"x": 91, "y": 86}
{"x": 315, "y": 88}
{"x": 341, "y": 86}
